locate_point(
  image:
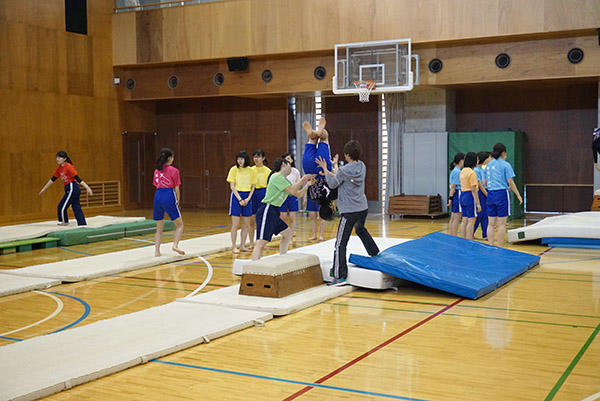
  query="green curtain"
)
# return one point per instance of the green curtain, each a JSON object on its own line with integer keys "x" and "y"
{"x": 484, "y": 141}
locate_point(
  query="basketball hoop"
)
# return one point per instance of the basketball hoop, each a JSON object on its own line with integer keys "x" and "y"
{"x": 364, "y": 89}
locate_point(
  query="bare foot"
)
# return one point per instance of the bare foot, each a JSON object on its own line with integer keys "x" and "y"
{"x": 321, "y": 238}
{"x": 321, "y": 125}
{"x": 245, "y": 249}
{"x": 179, "y": 251}
{"x": 314, "y": 237}
{"x": 157, "y": 254}
{"x": 235, "y": 250}
{"x": 313, "y": 135}
{"x": 324, "y": 135}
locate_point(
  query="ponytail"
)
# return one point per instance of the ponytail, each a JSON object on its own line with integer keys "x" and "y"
{"x": 163, "y": 157}
{"x": 457, "y": 158}
{"x": 64, "y": 155}
{"x": 499, "y": 148}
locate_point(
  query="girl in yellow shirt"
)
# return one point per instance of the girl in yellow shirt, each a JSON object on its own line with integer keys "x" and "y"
{"x": 242, "y": 181}
{"x": 262, "y": 173}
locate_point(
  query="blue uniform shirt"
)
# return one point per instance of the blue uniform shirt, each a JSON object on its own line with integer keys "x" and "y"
{"x": 497, "y": 173}
{"x": 480, "y": 173}
{"x": 455, "y": 178}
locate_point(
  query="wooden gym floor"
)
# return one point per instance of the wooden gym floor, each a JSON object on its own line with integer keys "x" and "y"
{"x": 535, "y": 338}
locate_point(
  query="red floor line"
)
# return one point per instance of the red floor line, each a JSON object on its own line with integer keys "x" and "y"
{"x": 373, "y": 350}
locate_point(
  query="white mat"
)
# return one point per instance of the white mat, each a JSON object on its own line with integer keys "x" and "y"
{"x": 48, "y": 364}
{"x": 576, "y": 225}
{"x": 34, "y": 230}
{"x": 229, "y": 297}
{"x": 10, "y": 284}
{"x": 356, "y": 276}
{"x": 89, "y": 267}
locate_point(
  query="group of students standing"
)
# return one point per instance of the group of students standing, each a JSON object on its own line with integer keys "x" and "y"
{"x": 479, "y": 194}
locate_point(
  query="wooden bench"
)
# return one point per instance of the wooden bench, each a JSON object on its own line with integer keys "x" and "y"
{"x": 29, "y": 244}
{"x": 416, "y": 205}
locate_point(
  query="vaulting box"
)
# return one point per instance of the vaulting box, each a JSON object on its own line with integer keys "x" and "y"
{"x": 281, "y": 275}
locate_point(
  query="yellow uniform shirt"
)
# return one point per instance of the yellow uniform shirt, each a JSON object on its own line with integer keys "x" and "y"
{"x": 242, "y": 177}
{"x": 468, "y": 179}
{"x": 262, "y": 175}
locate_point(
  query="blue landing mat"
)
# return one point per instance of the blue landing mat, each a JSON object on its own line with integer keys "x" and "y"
{"x": 467, "y": 268}
{"x": 588, "y": 243}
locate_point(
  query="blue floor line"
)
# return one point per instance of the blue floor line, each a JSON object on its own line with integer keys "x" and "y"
{"x": 74, "y": 251}
{"x": 10, "y": 338}
{"x": 231, "y": 372}
{"x": 81, "y": 301}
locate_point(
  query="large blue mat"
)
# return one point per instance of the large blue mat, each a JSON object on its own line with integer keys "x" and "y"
{"x": 467, "y": 268}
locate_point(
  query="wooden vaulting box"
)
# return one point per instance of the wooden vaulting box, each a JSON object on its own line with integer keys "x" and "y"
{"x": 281, "y": 275}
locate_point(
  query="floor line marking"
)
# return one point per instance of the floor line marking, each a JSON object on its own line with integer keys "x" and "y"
{"x": 74, "y": 251}
{"x": 373, "y": 350}
{"x": 472, "y": 306}
{"x": 59, "y": 307}
{"x": 572, "y": 365}
{"x": 324, "y": 386}
{"x": 85, "y": 314}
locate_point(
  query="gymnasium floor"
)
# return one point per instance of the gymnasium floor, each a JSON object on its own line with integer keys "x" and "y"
{"x": 536, "y": 338}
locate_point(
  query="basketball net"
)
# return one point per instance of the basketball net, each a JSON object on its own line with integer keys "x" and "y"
{"x": 364, "y": 89}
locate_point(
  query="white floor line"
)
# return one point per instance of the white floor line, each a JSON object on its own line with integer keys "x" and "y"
{"x": 59, "y": 307}
{"x": 139, "y": 240}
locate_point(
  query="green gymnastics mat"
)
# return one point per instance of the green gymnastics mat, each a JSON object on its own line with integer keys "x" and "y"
{"x": 114, "y": 231}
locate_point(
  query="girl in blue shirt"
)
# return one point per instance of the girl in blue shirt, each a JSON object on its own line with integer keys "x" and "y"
{"x": 453, "y": 197}
{"x": 499, "y": 176}
{"x": 483, "y": 158}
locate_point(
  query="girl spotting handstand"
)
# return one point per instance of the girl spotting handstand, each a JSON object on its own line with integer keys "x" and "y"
{"x": 268, "y": 219}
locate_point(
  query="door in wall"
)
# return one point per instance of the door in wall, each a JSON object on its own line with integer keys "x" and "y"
{"x": 204, "y": 158}
{"x": 139, "y": 154}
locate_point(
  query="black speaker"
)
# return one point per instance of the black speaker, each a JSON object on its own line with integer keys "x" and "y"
{"x": 237, "y": 63}
{"x": 219, "y": 78}
{"x": 266, "y": 76}
{"x": 575, "y": 55}
{"x": 76, "y": 16}
{"x": 173, "y": 81}
{"x": 502, "y": 60}
{"x": 320, "y": 72}
{"x": 435, "y": 65}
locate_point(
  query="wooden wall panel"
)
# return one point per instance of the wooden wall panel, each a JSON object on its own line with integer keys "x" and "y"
{"x": 348, "y": 119}
{"x": 258, "y": 27}
{"x": 55, "y": 94}
{"x": 464, "y": 63}
{"x": 557, "y": 118}
{"x": 530, "y": 60}
{"x": 252, "y": 124}
{"x": 292, "y": 74}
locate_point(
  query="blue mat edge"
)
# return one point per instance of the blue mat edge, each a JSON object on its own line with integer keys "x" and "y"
{"x": 365, "y": 261}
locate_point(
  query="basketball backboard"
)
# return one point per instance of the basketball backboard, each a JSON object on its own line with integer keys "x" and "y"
{"x": 388, "y": 63}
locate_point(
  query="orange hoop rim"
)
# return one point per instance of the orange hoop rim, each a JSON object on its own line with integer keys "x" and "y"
{"x": 368, "y": 83}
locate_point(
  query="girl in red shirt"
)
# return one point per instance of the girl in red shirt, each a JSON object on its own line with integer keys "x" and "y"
{"x": 67, "y": 173}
